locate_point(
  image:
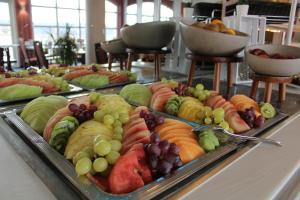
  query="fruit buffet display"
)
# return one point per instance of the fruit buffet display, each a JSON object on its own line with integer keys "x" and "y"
{"x": 199, "y": 105}
{"x": 29, "y": 83}
{"x": 96, "y": 77}
{"x": 262, "y": 53}
{"x": 113, "y": 144}
{"x": 120, "y": 147}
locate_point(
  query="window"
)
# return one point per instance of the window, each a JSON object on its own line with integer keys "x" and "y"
{"x": 111, "y": 20}
{"x": 59, "y": 13}
{"x": 5, "y": 25}
{"x": 165, "y": 13}
{"x": 147, "y": 14}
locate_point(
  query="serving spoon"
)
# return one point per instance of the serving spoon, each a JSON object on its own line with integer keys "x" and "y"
{"x": 220, "y": 129}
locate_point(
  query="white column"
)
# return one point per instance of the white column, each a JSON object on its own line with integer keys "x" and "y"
{"x": 291, "y": 22}
{"x": 95, "y": 15}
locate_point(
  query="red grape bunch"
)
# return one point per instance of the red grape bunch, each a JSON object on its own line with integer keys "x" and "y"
{"x": 151, "y": 119}
{"x": 82, "y": 113}
{"x": 250, "y": 118}
{"x": 162, "y": 156}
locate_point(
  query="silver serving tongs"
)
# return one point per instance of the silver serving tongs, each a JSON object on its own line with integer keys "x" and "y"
{"x": 218, "y": 128}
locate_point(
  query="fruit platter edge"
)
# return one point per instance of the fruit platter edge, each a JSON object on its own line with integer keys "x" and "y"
{"x": 74, "y": 89}
{"x": 149, "y": 191}
{"x": 280, "y": 116}
{"x": 105, "y": 86}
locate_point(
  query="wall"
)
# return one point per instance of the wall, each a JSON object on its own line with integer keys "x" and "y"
{"x": 95, "y": 27}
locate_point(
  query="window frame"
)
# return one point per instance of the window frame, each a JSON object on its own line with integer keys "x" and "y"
{"x": 57, "y": 26}
{"x": 111, "y": 28}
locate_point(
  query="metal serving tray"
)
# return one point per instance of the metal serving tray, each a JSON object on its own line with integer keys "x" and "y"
{"x": 149, "y": 191}
{"x": 74, "y": 89}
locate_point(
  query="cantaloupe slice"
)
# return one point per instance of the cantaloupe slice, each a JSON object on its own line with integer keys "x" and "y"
{"x": 182, "y": 132}
{"x": 170, "y": 126}
{"x": 174, "y": 138}
{"x": 189, "y": 151}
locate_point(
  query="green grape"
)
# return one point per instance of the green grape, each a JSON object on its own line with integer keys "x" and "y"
{"x": 102, "y": 148}
{"x": 117, "y": 137}
{"x": 207, "y": 93}
{"x": 199, "y": 87}
{"x": 89, "y": 150}
{"x": 109, "y": 126}
{"x": 224, "y": 125}
{"x": 112, "y": 157}
{"x": 108, "y": 119}
{"x": 219, "y": 112}
{"x": 94, "y": 97}
{"x": 197, "y": 93}
{"x": 118, "y": 130}
{"x": 207, "y": 120}
{"x": 79, "y": 155}
{"x": 123, "y": 111}
{"x": 190, "y": 90}
{"x": 83, "y": 166}
{"x": 208, "y": 111}
{"x": 124, "y": 118}
{"x": 218, "y": 120}
{"x": 116, "y": 145}
{"x": 100, "y": 164}
{"x": 98, "y": 138}
{"x": 115, "y": 115}
{"x": 98, "y": 115}
{"x": 202, "y": 96}
{"x": 117, "y": 123}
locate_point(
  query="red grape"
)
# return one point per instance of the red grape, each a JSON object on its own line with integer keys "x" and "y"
{"x": 94, "y": 68}
{"x": 82, "y": 107}
{"x": 164, "y": 146}
{"x": 171, "y": 158}
{"x": 143, "y": 113}
{"x": 153, "y": 160}
{"x": 154, "y": 150}
{"x": 92, "y": 108}
{"x": 87, "y": 114}
{"x": 173, "y": 149}
{"x": 154, "y": 138}
{"x": 259, "y": 121}
{"x": 73, "y": 107}
{"x": 178, "y": 163}
{"x": 164, "y": 167}
{"x": 159, "y": 120}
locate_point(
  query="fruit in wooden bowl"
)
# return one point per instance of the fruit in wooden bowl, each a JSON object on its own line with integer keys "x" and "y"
{"x": 273, "y": 60}
{"x": 213, "y": 39}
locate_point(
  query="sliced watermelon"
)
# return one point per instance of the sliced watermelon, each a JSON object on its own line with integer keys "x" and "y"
{"x": 141, "y": 126}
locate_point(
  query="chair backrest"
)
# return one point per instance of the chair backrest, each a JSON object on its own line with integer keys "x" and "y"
{"x": 101, "y": 56}
{"x": 1, "y": 57}
{"x": 8, "y": 62}
{"x": 38, "y": 49}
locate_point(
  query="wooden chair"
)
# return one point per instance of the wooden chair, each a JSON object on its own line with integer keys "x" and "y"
{"x": 157, "y": 58}
{"x": 38, "y": 50}
{"x": 2, "y": 70}
{"x": 121, "y": 57}
{"x": 26, "y": 61}
{"x": 101, "y": 56}
{"x": 269, "y": 80}
{"x": 217, "y": 72}
{"x": 8, "y": 61}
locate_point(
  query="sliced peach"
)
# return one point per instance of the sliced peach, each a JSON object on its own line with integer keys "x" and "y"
{"x": 189, "y": 151}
